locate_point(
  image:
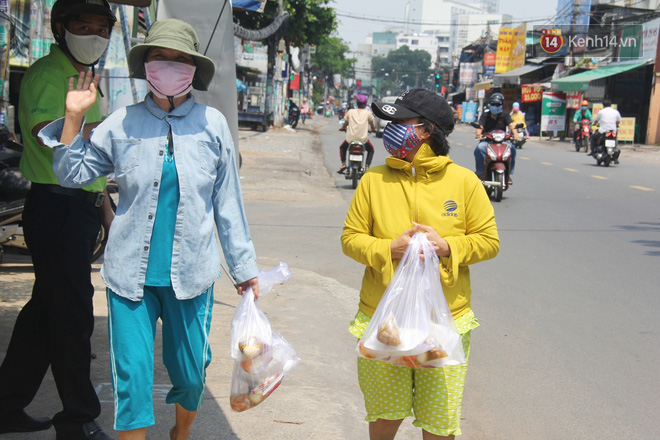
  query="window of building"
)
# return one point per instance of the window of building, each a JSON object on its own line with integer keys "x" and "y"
{"x": 414, "y": 42}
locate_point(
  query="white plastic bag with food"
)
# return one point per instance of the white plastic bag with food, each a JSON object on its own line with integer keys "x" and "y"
{"x": 249, "y": 390}
{"x": 412, "y": 325}
{"x": 262, "y": 357}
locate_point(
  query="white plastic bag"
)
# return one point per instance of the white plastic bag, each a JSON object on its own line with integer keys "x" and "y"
{"x": 262, "y": 357}
{"x": 412, "y": 325}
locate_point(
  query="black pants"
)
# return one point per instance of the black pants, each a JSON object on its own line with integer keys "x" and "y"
{"x": 55, "y": 326}
{"x": 367, "y": 146}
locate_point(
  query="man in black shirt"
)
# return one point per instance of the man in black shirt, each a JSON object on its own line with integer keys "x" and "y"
{"x": 491, "y": 120}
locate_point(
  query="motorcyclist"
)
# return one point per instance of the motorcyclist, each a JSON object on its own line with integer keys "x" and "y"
{"x": 608, "y": 119}
{"x": 493, "y": 119}
{"x": 517, "y": 116}
{"x": 360, "y": 120}
{"x": 581, "y": 114}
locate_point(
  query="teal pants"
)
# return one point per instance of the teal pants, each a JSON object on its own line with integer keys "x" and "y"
{"x": 186, "y": 351}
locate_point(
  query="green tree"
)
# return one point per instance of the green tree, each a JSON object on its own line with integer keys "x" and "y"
{"x": 330, "y": 58}
{"x": 405, "y": 67}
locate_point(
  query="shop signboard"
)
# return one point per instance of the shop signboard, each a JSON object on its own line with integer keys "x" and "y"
{"x": 626, "y": 132}
{"x": 553, "y": 111}
{"x": 518, "y": 41}
{"x": 531, "y": 93}
{"x": 503, "y": 57}
{"x": 650, "y": 31}
{"x": 469, "y": 113}
{"x": 573, "y": 100}
{"x": 469, "y": 73}
{"x": 489, "y": 64}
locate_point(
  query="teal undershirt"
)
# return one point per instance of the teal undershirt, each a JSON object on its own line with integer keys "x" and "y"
{"x": 162, "y": 237}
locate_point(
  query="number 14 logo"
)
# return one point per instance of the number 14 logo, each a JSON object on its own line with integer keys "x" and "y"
{"x": 551, "y": 40}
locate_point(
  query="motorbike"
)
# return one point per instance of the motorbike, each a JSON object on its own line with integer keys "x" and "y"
{"x": 294, "y": 115}
{"x": 497, "y": 162}
{"x": 520, "y": 128}
{"x": 583, "y": 138}
{"x": 355, "y": 163}
{"x": 13, "y": 190}
{"x": 606, "y": 151}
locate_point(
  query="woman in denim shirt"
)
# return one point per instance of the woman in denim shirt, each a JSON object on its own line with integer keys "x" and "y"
{"x": 174, "y": 163}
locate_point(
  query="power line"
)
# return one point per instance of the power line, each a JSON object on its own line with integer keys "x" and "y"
{"x": 430, "y": 23}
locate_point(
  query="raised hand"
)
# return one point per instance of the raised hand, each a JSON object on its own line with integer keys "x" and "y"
{"x": 82, "y": 96}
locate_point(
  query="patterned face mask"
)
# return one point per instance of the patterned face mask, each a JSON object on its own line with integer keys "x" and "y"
{"x": 400, "y": 139}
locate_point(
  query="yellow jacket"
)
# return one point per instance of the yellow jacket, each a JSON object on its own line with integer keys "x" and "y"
{"x": 518, "y": 117}
{"x": 433, "y": 191}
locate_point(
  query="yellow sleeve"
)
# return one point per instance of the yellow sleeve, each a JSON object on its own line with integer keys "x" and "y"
{"x": 357, "y": 238}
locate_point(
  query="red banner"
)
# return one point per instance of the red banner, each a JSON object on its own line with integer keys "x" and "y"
{"x": 573, "y": 100}
{"x": 531, "y": 93}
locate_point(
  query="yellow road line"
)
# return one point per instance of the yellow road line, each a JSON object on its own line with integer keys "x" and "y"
{"x": 546, "y": 163}
{"x": 598, "y": 177}
{"x": 572, "y": 169}
{"x": 643, "y": 188}
{"x": 524, "y": 158}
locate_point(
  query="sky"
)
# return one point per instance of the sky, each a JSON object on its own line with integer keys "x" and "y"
{"x": 354, "y": 31}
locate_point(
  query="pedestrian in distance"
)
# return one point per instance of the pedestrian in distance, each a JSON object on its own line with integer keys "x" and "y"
{"x": 419, "y": 189}
{"x": 175, "y": 168}
{"x": 61, "y": 226}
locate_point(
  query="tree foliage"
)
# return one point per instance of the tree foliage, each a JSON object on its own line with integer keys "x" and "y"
{"x": 405, "y": 67}
{"x": 330, "y": 58}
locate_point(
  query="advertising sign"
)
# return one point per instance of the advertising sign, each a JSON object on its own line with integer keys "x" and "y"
{"x": 573, "y": 100}
{"x": 650, "y": 31}
{"x": 530, "y": 93}
{"x": 469, "y": 73}
{"x": 469, "y": 113}
{"x": 502, "y": 62}
{"x": 489, "y": 64}
{"x": 553, "y": 111}
{"x": 626, "y": 132}
{"x": 518, "y": 42}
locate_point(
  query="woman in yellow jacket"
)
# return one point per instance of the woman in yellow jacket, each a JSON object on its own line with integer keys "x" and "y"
{"x": 419, "y": 189}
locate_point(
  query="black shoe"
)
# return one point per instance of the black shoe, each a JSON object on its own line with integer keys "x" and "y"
{"x": 21, "y": 422}
{"x": 616, "y": 161}
{"x": 88, "y": 431}
{"x": 591, "y": 153}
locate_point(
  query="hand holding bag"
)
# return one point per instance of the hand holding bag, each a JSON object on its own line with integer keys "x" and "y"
{"x": 412, "y": 325}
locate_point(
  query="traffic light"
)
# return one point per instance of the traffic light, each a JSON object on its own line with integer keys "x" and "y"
{"x": 438, "y": 82}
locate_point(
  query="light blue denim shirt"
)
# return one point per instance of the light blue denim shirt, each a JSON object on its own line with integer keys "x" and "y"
{"x": 131, "y": 143}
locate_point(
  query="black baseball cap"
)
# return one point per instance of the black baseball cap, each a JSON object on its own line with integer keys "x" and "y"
{"x": 418, "y": 102}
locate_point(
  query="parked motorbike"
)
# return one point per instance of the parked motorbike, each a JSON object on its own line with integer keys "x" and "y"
{"x": 497, "y": 162}
{"x": 294, "y": 114}
{"x": 520, "y": 128}
{"x": 355, "y": 163}
{"x": 583, "y": 138}
{"x": 13, "y": 190}
{"x": 607, "y": 151}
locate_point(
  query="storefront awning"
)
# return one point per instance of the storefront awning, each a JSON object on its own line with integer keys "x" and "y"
{"x": 513, "y": 76}
{"x": 580, "y": 81}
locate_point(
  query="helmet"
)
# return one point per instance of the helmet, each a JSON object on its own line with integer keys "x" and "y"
{"x": 362, "y": 99}
{"x": 516, "y": 105}
{"x": 585, "y": 103}
{"x": 496, "y": 99}
{"x": 64, "y": 9}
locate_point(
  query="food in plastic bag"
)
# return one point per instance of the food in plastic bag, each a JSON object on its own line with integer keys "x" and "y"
{"x": 388, "y": 332}
{"x": 262, "y": 357}
{"x": 249, "y": 390}
{"x": 412, "y": 325}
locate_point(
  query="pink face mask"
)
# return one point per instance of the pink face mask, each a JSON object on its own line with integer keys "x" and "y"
{"x": 169, "y": 78}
